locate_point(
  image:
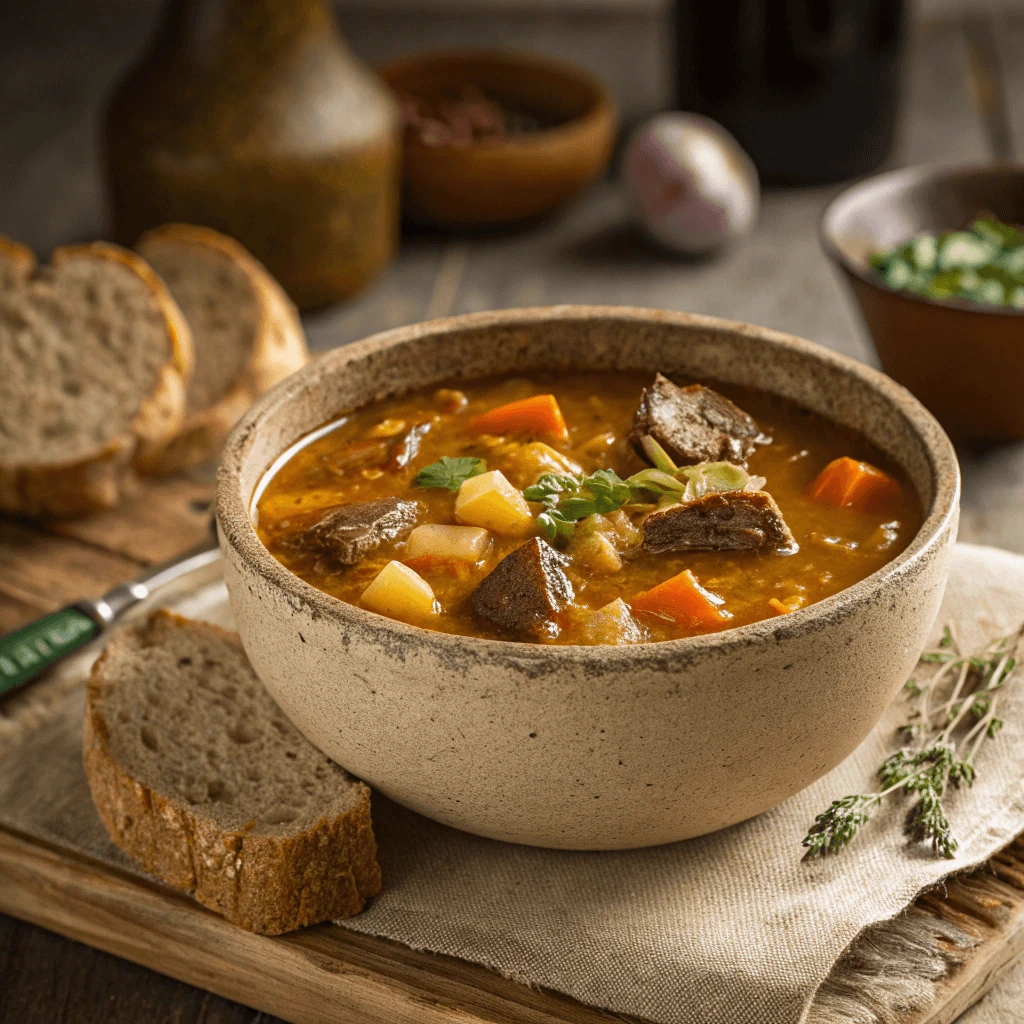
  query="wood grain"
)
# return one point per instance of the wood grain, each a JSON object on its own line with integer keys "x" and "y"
{"x": 990, "y": 901}
{"x": 84, "y": 985}
{"x": 316, "y": 976}
{"x": 157, "y": 521}
{"x": 325, "y": 974}
{"x": 40, "y": 569}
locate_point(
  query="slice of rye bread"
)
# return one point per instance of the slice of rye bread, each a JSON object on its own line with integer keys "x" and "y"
{"x": 199, "y": 777}
{"x": 246, "y": 333}
{"x": 94, "y": 358}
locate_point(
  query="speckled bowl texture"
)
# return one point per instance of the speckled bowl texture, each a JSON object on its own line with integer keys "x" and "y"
{"x": 588, "y": 747}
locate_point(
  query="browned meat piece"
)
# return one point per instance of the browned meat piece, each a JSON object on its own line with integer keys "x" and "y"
{"x": 693, "y": 424}
{"x": 526, "y": 590}
{"x": 721, "y": 521}
{"x": 347, "y": 533}
{"x": 407, "y": 447}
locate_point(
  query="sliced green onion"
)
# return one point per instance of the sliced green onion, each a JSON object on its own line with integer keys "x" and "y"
{"x": 659, "y": 458}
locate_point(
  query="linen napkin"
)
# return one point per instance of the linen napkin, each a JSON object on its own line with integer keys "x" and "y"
{"x": 731, "y": 928}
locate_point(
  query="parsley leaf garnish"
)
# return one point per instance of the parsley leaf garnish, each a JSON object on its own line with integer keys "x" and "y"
{"x": 450, "y": 473}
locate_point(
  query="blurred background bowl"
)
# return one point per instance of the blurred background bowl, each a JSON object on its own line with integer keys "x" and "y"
{"x": 963, "y": 360}
{"x": 501, "y": 181}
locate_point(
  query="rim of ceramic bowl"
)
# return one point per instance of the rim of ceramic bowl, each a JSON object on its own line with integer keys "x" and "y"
{"x": 601, "y": 105}
{"x": 864, "y": 191}
{"x": 238, "y": 532}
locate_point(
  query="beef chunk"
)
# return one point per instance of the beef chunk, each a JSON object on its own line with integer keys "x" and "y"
{"x": 720, "y": 521}
{"x": 407, "y": 447}
{"x": 693, "y": 424}
{"x": 348, "y": 533}
{"x": 526, "y": 590}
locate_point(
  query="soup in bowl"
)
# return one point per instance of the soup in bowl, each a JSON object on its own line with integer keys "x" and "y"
{"x": 529, "y": 507}
{"x": 584, "y": 577}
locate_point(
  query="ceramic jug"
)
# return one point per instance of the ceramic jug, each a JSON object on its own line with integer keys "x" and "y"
{"x": 253, "y": 117}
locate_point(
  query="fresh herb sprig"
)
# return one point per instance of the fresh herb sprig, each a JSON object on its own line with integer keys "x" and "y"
{"x": 567, "y": 499}
{"x": 450, "y": 473}
{"x": 953, "y": 714}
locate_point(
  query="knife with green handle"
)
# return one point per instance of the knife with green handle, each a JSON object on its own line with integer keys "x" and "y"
{"x": 31, "y": 650}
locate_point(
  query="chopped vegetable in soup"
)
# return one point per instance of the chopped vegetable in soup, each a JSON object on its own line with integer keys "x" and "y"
{"x": 586, "y": 508}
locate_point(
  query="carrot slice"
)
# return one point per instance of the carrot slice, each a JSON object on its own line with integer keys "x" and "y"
{"x": 847, "y": 483}
{"x": 685, "y": 601}
{"x": 539, "y": 414}
{"x": 790, "y": 604}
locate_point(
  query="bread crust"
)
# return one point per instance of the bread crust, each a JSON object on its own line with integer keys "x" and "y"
{"x": 99, "y": 480}
{"x": 279, "y": 349}
{"x": 20, "y": 258}
{"x": 267, "y": 884}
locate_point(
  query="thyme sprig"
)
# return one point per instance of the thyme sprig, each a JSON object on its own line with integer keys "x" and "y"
{"x": 953, "y": 713}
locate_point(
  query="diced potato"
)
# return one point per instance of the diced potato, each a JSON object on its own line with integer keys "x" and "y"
{"x": 462, "y": 543}
{"x": 400, "y": 593}
{"x": 538, "y": 457}
{"x": 612, "y": 624}
{"x": 490, "y": 501}
{"x": 597, "y": 552}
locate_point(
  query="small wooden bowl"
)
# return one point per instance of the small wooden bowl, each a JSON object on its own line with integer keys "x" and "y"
{"x": 964, "y": 361}
{"x": 503, "y": 181}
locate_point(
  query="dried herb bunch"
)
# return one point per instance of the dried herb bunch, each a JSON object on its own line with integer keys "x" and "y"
{"x": 953, "y": 713}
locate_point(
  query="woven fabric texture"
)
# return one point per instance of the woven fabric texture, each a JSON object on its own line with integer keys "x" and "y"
{"x": 731, "y": 928}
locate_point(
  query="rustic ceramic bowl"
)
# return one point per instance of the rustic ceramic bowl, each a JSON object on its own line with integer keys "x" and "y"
{"x": 497, "y": 182}
{"x": 588, "y": 747}
{"x": 964, "y": 361}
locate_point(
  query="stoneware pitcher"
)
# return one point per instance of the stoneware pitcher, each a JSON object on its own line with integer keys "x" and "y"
{"x": 253, "y": 117}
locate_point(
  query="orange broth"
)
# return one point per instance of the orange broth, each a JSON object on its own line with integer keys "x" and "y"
{"x": 837, "y": 546}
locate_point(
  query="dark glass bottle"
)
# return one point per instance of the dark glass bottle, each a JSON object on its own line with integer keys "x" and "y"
{"x": 808, "y": 87}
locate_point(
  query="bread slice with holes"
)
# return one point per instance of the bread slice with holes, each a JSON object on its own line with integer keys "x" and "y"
{"x": 246, "y": 333}
{"x": 199, "y": 777}
{"x": 94, "y": 359}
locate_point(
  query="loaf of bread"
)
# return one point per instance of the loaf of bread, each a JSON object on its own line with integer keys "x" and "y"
{"x": 94, "y": 359}
{"x": 200, "y": 778}
{"x": 245, "y": 330}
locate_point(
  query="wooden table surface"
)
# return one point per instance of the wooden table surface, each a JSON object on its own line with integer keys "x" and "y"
{"x": 964, "y": 100}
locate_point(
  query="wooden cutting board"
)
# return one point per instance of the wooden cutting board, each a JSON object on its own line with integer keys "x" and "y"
{"x": 326, "y": 974}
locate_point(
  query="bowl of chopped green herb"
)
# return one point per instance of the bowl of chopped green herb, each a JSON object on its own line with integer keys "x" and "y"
{"x": 934, "y": 257}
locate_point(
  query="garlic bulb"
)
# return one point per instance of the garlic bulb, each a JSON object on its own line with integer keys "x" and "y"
{"x": 692, "y": 185}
